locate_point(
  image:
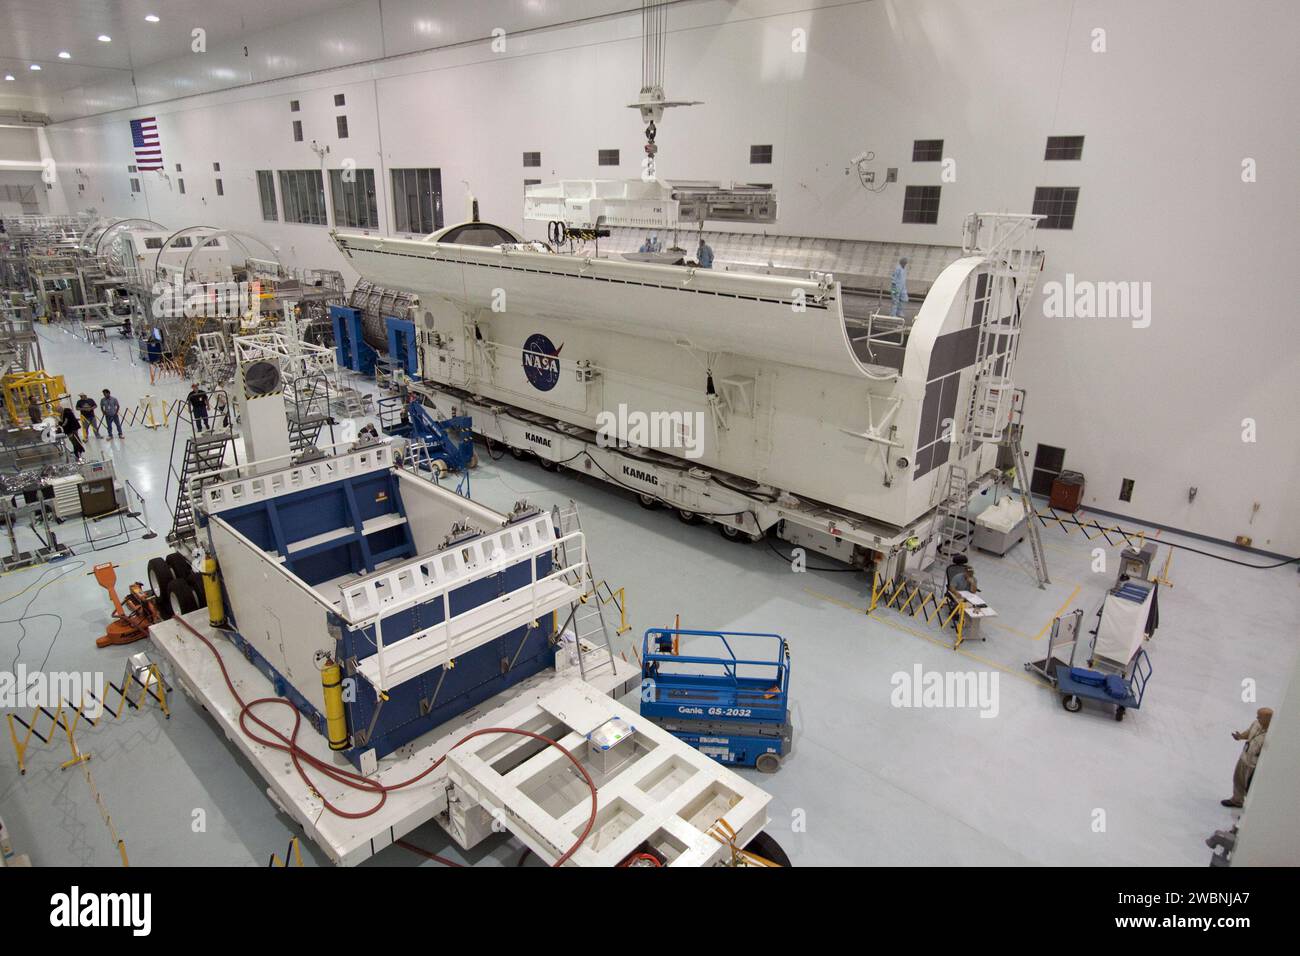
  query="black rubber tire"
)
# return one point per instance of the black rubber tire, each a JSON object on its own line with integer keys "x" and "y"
{"x": 1119, "y": 713}
{"x": 767, "y": 763}
{"x": 158, "y": 573}
{"x": 649, "y": 502}
{"x": 1071, "y": 703}
{"x": 763, "y": 845}
{"x": 547, "y": 464}
{"x": 180, "y": 567}
{"x": 518, "y": 454}
{"x": 687, "y": 517}
{"x": 178, "y": 599}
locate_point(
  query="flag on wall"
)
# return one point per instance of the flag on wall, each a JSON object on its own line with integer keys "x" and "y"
{"x": 148, "y": 149}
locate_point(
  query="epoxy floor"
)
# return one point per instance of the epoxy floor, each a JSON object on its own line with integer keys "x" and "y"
{"x": 867, "y": 783}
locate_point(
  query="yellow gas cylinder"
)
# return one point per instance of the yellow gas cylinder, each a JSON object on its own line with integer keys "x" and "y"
{"x": 212, "y": 591}
{"x": 336, "y": 724}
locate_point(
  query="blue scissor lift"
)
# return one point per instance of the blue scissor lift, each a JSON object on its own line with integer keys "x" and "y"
{"x": 735, "y": 710}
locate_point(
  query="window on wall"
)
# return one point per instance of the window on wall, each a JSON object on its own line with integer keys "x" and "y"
{"x": 927, "y": 150}
{"x": 294, "y": 106}
{"x": 1058, "y": 204}
{"x": 921, "y": 204}
{"x": 303, "y": 193}
{"x": 759, "y": 155}
{"x": 135, "y": 185}
{"x": 607, "y": 157}
{"x": 354, "y": 201}
{"x": 341, "y": 122}
{"x": 180, "y": 184}
{"x": 417, "y": 200}
{"x": 221, "y": 190}
{"x": 297, "y": 131}
{"x": 339, "y": 100}
{"x": 532, "y": 159}
{"x": 178, "y": 167}
{"x": 266, "y": 193}
{"x": 1064, "y": 147}
{"x": 131, "y": 169}
{"x": 216, "y": 167}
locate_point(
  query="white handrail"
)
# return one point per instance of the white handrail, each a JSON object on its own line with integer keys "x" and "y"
{"x": 444, "y": 591}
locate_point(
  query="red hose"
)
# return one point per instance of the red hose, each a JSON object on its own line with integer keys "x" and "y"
{"x": 299, "y": 756}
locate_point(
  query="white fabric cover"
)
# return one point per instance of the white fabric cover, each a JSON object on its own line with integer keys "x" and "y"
{"x": 1003, "y": 516}
{"x": 1122, "y": 627}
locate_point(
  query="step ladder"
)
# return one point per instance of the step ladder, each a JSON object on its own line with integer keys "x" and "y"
{"x": 205, "y": 454}
{"x": 586, "y": 617}
{"x": 952, "y": 524}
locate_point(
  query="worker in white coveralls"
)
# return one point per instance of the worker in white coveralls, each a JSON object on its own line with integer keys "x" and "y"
{"x": 898, "y": 286}
{"x": 1254, "y": 738}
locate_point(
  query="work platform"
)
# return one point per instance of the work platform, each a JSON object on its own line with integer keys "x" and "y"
{"x": 650, "y": 790}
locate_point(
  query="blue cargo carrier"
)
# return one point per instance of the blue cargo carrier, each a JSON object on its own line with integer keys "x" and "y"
{"x": 734, "y": 709}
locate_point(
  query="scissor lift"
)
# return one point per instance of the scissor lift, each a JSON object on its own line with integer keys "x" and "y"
{"x": 735, "y": 710}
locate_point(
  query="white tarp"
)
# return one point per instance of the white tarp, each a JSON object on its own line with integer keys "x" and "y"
{"x": 1122, "y": 627}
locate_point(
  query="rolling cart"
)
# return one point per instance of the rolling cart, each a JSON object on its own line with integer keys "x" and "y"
{"x": 1123, "y": 693}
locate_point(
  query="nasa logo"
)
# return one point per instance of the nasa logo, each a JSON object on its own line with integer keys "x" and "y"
{"x": 541, "y": 362}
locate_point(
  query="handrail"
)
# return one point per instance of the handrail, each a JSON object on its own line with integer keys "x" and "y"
{"x": 494, "y": 567}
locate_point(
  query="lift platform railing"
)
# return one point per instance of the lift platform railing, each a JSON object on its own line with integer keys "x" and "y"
{"x": 456, "y": 634}
{"x": 677, "y": 686}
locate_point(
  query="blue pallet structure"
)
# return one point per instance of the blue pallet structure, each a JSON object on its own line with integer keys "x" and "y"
{"x": 349, "y": 345}
{"x": 350, "y": 527}
{"x": 735, "y": 710}
{"x": 402, "y": 345}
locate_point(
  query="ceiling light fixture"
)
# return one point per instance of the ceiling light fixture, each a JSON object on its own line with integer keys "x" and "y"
{"x": 65, "y": 55}
{"x": 104, "y": 38}
{"x": 151, "y": 18}
{"x": 9, "y": 77}
{"x": 35, "y": 66}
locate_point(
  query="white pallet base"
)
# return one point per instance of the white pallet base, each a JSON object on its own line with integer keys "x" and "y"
{"x": 658, "y": 792}
{"x": 346, "y": 842}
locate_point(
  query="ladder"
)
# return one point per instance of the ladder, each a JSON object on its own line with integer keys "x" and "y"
{"x": 204, "y": 453}
{"x": 586, "y": 618}
{"x": 952, "y": 524}
{"x": 1020, "y": 485}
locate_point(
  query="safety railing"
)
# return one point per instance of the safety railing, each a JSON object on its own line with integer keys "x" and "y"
{"x": 919, "y": 600}
{"x": 241, "y": 484}
{"x": 456, "y": 634}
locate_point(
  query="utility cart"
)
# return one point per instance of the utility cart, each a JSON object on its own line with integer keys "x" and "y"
{"x": 732, "y": 708}
{"x": 1123, "y": 693}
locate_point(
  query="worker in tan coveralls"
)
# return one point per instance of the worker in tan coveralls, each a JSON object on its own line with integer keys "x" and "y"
{"x": 1254, "y": 738}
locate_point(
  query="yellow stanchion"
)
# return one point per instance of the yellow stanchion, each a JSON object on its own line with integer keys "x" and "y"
{"x": 292, "y": 852}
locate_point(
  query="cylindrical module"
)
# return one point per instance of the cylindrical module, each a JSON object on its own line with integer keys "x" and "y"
{"x": 336, "y": 723}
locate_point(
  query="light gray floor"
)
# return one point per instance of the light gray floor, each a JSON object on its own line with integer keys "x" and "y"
{"x": 868, "y": 783}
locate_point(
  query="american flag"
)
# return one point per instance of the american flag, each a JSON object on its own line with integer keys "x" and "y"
{"x": 148, "y": 150}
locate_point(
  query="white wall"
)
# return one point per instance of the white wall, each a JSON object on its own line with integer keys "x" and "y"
{"x": 1180, "y": 97}
{"x": 1269, "y": 835}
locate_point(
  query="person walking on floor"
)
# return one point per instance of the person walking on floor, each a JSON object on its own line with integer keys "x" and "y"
{"x": 69, "y": 425}
{"x": 112, "y": 410}
{"x": 198, "y": 400}
{"x": 87, "y": 408}
{"x": 1246, "y": 763}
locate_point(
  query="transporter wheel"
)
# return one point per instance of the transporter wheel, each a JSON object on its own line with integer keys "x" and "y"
{"x": 518, "y": 454}
{"x": 180, "y": 568}
{"x": 687, "y": 517}
{"x": 732, "y": 533}
{"x": 1119, "y": 713}
{"x": 763, "y": 845}
{"x": 1071, "y": 703}
{"x": 159, "y": 573}
{"x": 649, "y": 502}
{"x": 180, "y": 599}
{"x": 547, "y": 464}
{"x": 768, "y": 763}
